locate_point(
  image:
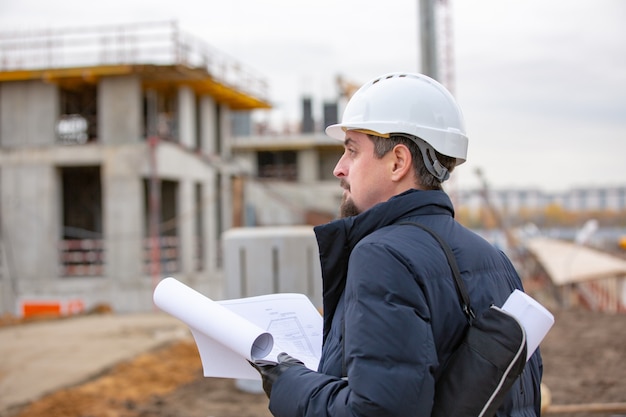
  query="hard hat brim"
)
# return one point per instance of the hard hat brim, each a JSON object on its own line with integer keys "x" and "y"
{"x": 450, "y": 143}
{"x": 337, "y": 131}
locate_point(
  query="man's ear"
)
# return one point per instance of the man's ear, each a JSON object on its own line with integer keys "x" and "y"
{"x": 402, "y": 162}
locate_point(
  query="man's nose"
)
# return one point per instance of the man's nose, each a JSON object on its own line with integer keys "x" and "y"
{"x": 339, "y": 170}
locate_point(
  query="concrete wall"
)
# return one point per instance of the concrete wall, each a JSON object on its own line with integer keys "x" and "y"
{"x": 179, "y": 165}
{"x": 31, "y": 221}
{"x": 28, "y": 113}
{"x": 266, "y": 260}
{"x": 30, "y": 213}
{"x": 30, "y": 194}
{"x": 29, "y": 201}
{"x": 275, "y": 203}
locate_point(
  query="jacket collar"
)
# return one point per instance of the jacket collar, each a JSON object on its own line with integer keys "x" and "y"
{"x": 337, "y": 238}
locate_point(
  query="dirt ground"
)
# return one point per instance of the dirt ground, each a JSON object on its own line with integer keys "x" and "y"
{"x": 584, "y": 362}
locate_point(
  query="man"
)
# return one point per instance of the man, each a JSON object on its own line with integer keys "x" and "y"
{"x": 391, "y": 314}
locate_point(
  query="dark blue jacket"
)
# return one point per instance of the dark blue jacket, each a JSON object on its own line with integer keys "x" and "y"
{"x": 391, "y": 307}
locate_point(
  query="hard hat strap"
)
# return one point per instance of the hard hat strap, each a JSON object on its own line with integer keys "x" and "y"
{"x": 430, "y": 158}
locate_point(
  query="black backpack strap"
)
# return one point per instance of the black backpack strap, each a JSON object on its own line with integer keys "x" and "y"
{"x": 344, "y": 369}
{"x": 461, "y": 291}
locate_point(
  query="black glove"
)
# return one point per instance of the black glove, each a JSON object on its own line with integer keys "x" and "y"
{"x": 270, "y": 371}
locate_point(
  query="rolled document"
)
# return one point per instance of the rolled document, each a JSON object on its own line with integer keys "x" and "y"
{"x": 224, "y": 338}
{"x": 534, "y": 317}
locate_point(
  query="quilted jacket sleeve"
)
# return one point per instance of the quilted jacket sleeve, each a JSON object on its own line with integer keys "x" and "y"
{"x": 389, "y": 348}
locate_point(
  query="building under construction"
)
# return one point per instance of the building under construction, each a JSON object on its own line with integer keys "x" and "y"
{"x": 112, "y": 174}
{"x": 127, "y": 151}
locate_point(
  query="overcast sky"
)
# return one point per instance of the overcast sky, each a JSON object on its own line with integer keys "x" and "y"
{"x": 542, "y": 83}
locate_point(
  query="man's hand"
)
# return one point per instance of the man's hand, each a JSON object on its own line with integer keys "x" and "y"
{"x": 270, "y": 371}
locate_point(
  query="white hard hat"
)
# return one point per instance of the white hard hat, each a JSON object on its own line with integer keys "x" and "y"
{"x": 406, "y": 103}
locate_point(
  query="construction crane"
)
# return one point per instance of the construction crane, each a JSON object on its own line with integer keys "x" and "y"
{"x": 494, "y": 212}
{"x": 345, "y": 87}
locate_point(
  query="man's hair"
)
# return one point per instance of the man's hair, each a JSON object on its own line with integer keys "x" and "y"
{"x": 428, "y": 182}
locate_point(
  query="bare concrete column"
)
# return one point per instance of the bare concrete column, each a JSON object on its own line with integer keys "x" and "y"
{"x": 187, "y": 117}
{"x": 124, "y": 222}
{"x": 187, "y": 224}
{"x": 226, "y": 131}
{"x": 119, "y": 110}
{"x": 226, "y": 197}
{"x": 308, "y": 166}
{"x": 208, "y": 125}
{"x": 211, "y": 236}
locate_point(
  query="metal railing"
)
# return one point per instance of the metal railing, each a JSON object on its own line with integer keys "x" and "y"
{"x": 81, "y": 257}
{"x": 86, "y": 257}
{"x": 157, "y": 43}
{"x": 169, "y": 248}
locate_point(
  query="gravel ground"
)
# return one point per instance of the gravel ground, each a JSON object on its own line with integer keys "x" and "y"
{"x": 584, "y": 363}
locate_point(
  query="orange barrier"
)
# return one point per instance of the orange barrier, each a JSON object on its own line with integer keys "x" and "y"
{"x": 51, "y": 308}
{"x": 32, "y": 309}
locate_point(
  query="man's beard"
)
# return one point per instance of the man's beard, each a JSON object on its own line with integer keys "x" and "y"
{"x": 347, "y": 207}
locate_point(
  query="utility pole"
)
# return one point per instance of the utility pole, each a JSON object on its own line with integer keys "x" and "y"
{"x": 428, "y": 38}
{"x": 432, "y": 49}
{"x": 437, "y": 41}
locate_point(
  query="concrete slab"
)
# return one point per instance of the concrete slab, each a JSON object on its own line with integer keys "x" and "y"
{"x": 40, "y": 357}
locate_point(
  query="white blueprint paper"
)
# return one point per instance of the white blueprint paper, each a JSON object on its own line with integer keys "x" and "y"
{"x": 229, "y": 333}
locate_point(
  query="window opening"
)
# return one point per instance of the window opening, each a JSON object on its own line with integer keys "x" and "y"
{"x": 78, "y": 121}
{"x": 200, "y": 239}
{"x": 169, "y": 243}
{"x": 164, "y": 104}
{"x": 278, "y": 165}
{"x": 81, "y": 248}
